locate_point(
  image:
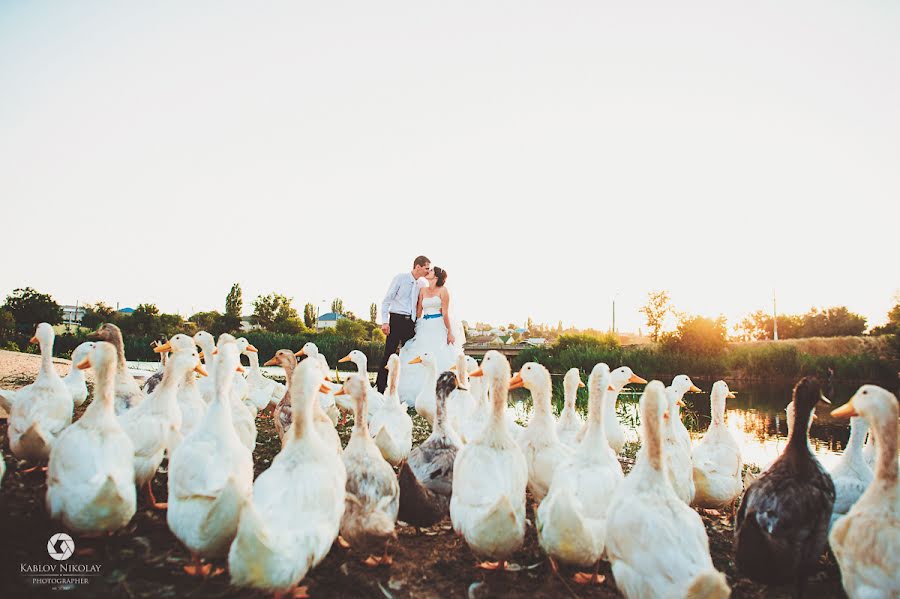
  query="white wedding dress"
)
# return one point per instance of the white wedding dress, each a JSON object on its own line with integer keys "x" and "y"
{"x": 431, "y": 337}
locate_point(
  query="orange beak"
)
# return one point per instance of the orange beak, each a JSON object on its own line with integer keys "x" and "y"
{"x": 416, "y": 360}
{"x": 299, "y": 353}
{"x": 272, "y": 362}
{"x": 162, "y": 348}
{"x": 845, "y": 411}
{"x": 477, "y": 372}
{"x": 34, "y": 339}
{"x": 680, "y": 403}
{"x": 611, "y": 388}
{"x": 341, "y": 391}
{"x": 84, "y": 364}
{"x": 695, "y": 389}
{"x": 730, "y": 395}
{"x": 199, "y": 370}
{"x": 240, "y": 369}
{"x": 516, "y": 381}
{"x": 252, "y": 349}
{"x": 323, "y": 388}
{"x": 344, "y": 359}
{"x": 453, "y": 367}
{"x": 636, "y": 379}
{"x": 580, "y": 385}
{"x": 215, "y": 351}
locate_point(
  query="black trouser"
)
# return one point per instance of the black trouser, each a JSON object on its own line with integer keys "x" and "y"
{"x": 402, "y": 330}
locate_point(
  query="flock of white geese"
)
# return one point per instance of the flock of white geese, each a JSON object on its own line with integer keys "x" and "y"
{"x": 475, "y": 467}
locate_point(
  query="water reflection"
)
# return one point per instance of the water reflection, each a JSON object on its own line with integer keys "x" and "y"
{"x": 756, "y": 417}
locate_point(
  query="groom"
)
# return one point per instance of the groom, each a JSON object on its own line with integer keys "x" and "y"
{"x": 398, "y": 313}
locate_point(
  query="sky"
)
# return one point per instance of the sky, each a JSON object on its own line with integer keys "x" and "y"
{"x": 552, "y": 156}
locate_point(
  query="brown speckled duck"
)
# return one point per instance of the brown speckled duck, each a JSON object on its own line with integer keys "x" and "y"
{"x": 782, "y": 525}
{"x": 426, "y": 479}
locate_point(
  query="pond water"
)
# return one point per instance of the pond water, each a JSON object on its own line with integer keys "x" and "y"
{"x": 756, "y": 418}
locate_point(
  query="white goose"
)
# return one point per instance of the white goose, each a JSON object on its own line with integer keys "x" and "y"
{"x": 154, "y": 426}
{"x": 677, "y": 562}
{"x": 210, "y": 475}
{"x": 539, "y": 443}
{"x": 681, "y": 384}
{"x": 866, "y": 542}
{"x": 571, "y": 520}
{"x": 679, "y": 467}
{"x": 570, "y": 421}
{"x": 261, "y": 389}
{"x": 391, "y": 425}
{"x": 290, "y": 523}
{"x": 489, "y": 478}
{"x": 207, "y": 344}
{"x": 375, "y": 398}
{"x": 614, "y": 431}
{"x": 74, "y": 380}
{"x": 41, "y": 410}
{"x": 851, "y": 475}
{"x": 426, "y": 398}
{"x": 241, "y": 385}
{"x": 717, "y": 457}
{"x": 461, "y": 405}
{"x": 90, "y": 479}
{"x": 190, "y": 401}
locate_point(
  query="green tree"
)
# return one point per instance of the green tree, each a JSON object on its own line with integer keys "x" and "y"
{"x": 699, "y": 335}
{"x": 7, "y": 325}
{"x": 97, "y": 314}
{"x": 205, "y": 321}
{"x": 30, "y": 307}
{"x": 337, "y": 305}
{"x": 376, "y": 335}
{"x": 309, "y": 316}
{"x": 892, "y": 326}
{"x": 143, "y": 321}
{"x": 266, "y": 309}
{"x": 352, "y": 330}
{"x": 656, "y": 309}
{"x": 373, "y": 313}
{"x": 758, "y": 326}
{"x": 234, "y": 302}
{"x": 836, "y": 321}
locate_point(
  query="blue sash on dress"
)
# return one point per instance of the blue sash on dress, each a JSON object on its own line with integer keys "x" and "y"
{"x": 427, "y": 316}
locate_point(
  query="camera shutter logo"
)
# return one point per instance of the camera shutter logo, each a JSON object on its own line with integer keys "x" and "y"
{"x": 60, "y": 546}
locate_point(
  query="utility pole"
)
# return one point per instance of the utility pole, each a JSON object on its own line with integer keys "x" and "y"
{"x": 614, "y": 316}
{"x": 774, "y": 317}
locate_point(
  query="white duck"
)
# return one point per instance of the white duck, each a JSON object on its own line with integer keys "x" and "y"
{"x": 290, "y": 523}
{"x": 74, "y": 380}
{"x": 210, "y": 475}
{"x": 207, "y": 344}
{"x": 677, "y": 562}
{"x": 261, "y": 389}
{"x": 426, "y": 398}
{"x": 327, "y": 399}
{"x": 717, "y": 457}
{"x": 570, "y": 421}
{"x": 851, "y": 475}
{"x": 155, "y": 424}
{"x": 866, "y": 542}
{"x": 375, "y": 398}
{"x": 241, "y": 385}
{"x": 190, "y": 401}
{"x": 128, "y": 392}
{"x": 614, "y": 431}
{"x": 90, "y": 479}
{"x": 681, "y": 384}
{"x": 571, "y": 520}
{"x": 461, "y": 406}
{"x": 242, "y": 417}
{"x": 471, "y": 427}
{"x": 41, "y": 410}
{"x": 542, "y": 449}
{"x": 489, "y": 478}
{"x": 679, "y": 467}
{"x": 373, "y": 495}
{"x": 391, "y": 425}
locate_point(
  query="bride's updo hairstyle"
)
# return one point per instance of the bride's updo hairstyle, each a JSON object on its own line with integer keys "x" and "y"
{"x": 441, "y": 276}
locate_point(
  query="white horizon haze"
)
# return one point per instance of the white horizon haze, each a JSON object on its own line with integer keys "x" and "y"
{"x": 551, "y": 156}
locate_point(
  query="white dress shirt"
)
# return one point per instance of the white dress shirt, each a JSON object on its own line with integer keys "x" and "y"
{"x": 401, "y": 298}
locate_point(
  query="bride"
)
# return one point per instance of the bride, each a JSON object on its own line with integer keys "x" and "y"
{"x": 436, "y": 334}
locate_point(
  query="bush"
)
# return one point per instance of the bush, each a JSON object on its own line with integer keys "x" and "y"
{"x": 699, "y": 335}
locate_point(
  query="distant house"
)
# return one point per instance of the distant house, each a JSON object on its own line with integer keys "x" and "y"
{"x": 125, "y": 311}
{"x": 328, "y": 321}
{"x": 507, "y": 339}
{"x": 72, "y": 314}
{"x": 538, "y": 341}
{"x": 520, "y": 330}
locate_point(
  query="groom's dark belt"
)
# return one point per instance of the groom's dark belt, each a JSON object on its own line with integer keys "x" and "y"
{"x": 406, "y": 316}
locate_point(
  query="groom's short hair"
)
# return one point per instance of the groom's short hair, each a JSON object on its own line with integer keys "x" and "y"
{"x": 421, "y": 261}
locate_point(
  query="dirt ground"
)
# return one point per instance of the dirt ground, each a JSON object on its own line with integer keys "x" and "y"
{"x": 146, "y": 560}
